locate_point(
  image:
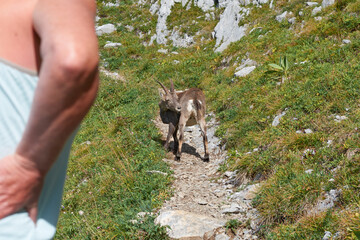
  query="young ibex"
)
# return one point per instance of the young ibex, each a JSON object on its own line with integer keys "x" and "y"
{"x": 180, "y": 109}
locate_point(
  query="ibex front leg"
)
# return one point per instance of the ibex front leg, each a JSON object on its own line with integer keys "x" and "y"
{"x": 176, "y": 141}
{"x": 181, "y": 140}
{"x": 170, "y": 133}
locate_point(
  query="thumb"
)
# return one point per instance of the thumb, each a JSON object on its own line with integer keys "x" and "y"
{"x": 33, "y": 211}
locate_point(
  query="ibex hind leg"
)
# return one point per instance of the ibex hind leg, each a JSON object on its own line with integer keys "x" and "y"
{"x": 202, "y": 124}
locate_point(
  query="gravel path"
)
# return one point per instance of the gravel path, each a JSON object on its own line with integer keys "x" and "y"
{"x": 201, "y": 190}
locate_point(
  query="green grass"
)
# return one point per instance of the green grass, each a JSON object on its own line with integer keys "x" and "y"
{"x": 108, "y": 174}
{"x": 108, "y": 179}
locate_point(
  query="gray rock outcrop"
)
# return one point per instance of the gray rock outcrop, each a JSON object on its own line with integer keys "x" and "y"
{"x": 161, "y": 28}
{"x": 326, "y": 3}
{"x": 228, "y": 29}
{"x": 181, "y": 41}
{"x": 205, "y": 5}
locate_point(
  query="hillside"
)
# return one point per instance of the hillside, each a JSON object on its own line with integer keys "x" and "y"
{"x": 281, "y": 77}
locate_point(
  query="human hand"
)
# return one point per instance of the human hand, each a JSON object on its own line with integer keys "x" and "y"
{"x": 20, "y": 186}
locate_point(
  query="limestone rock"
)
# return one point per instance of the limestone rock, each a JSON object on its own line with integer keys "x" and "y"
{"x": 105, "y": 29}
{"x": 292, "y": 20}
{"x": 245, "y": 71}
{"x": 329, "y": 202}
{"x": 308, "y": 131}
{"x": 113, "y": 75}
{"x": 234, "y": 208}
{"x": 311, "y": 4}
{"x": 185, "y": 224}
{"x": 205, "y": 5}
{"x": 248, "y": 193}
{"x": 154, "y": 8}
{"x": 281, "y": 17}
{"x": 228, "y": 30}
{"x": 326, "y": 3}
{"x": 276, "y": 120}
{"x": 161, "y": 28}
{"x": 316, "y": 10}
{"x": 339, "y": 118}
{"x": 110, "y": 4}
{"x": 112, "y": 44}
{"x": 181, "y": 41}
{"x": 327, "y": 235}
{"x": 161, "y": 50}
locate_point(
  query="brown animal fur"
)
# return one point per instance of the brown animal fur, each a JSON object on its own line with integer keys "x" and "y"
{"x": 180, "y": 109}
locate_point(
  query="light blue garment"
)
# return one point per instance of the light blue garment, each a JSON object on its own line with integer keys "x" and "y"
{"x": 17, "y": 86}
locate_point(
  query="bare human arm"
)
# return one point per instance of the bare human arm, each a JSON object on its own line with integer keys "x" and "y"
{"x": 68, "y": 82}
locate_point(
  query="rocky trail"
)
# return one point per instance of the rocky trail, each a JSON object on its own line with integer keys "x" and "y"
{"x": 205, "y": 199}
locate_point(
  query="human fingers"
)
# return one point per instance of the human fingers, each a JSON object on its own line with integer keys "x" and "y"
{"x": 33, "y": 211}
{"x": 20, "y": 187}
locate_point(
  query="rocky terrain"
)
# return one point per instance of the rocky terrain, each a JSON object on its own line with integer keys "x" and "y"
{"x": 205, "y": 199}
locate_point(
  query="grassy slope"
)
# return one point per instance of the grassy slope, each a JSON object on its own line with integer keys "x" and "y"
{"x": 108, "y": 180}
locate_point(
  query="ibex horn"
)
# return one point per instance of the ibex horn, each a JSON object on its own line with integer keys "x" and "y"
{"x": 165, "y": 89}
{"x": 171, "y": 86}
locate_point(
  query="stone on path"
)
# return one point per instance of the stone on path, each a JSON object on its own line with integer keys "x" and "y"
{"x": 185, "y": 224}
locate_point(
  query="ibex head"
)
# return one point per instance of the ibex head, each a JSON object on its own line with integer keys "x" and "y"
{"x": 169, "y": 99}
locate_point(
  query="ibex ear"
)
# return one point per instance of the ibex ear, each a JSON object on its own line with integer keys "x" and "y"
{"x": 161, "y": 93}
{"x": 171, "y": 86}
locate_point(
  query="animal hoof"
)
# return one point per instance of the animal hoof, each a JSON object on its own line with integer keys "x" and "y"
{"x": 206, "y": 158}
{"x": 177, "y": 158}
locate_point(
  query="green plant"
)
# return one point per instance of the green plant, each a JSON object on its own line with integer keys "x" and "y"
{"x": 233, "y": 224}
{"x": 282, "y": 67}
{"x": 357, "y": 234}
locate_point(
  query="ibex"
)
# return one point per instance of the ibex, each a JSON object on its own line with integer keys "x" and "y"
{"x": 180, "y": 109}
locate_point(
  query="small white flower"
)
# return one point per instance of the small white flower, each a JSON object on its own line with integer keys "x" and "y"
{"x": 81, "y": 212}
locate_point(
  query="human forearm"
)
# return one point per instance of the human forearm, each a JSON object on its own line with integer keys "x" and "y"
{"x": 62, "y": 98}
{"x": 68, "y": 78}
